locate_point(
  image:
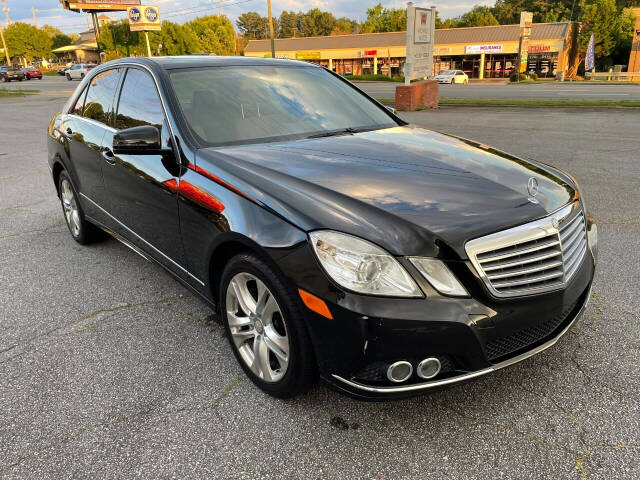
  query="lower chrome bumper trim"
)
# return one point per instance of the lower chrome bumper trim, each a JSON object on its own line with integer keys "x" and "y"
{"x": 470, "y": 375}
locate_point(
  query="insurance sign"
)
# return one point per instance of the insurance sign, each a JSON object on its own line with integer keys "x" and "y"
{"x": 144, "y": 18}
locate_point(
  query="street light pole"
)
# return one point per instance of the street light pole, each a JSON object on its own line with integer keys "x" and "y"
{"x": 4, "y": 45}
{"x": 273, "y": 42}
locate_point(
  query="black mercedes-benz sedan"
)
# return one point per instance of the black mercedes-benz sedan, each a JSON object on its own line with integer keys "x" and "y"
{"x": 332, "y": 238}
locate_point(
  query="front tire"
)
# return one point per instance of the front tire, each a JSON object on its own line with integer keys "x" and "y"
{"x": 81, "y": 230}
{"x": 68, "y": 77}
{"x": 264, "y": 324}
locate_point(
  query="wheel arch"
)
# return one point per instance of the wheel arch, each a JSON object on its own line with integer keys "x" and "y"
{"x": 229, "y": 244}
{"x": 56, "y": 170}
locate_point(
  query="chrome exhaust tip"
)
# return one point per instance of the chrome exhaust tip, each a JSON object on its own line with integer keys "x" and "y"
{"x": 399, "y": 371}
{"x": 428, "y": 368}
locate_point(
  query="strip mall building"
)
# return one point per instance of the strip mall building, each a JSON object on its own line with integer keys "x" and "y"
{"x": 481, "y": 52}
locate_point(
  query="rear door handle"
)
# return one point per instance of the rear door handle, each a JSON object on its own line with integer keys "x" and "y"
{"x": 109, "y": 156}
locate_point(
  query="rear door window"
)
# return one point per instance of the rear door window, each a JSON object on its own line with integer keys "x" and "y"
{"x": 139, "y": 102}
{"x": 98, "y": 104}
{"x": 79, "y": 106}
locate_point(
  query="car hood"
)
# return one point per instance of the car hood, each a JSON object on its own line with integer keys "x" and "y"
{"x": 411, "y": 190}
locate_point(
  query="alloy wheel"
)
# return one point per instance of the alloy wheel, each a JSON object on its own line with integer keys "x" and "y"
{"x": 257, "y": 327}
{"x": 71, "y": 212}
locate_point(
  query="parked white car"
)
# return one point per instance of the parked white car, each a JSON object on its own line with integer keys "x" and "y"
{"x": 78, "y": 71}
{"x": 452, "y": 76}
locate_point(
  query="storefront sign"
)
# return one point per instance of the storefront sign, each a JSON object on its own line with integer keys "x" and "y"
{"x": 539, "y": 48}
{"x": 420, "y": 28}
{"x": 370, "y": 53}
{"x": 144, "y": 18}
{"x": 442, "y": 50}
{"x": 497, "y": 48}
{"x": 99, "y": 5}
{"x": 308, "y": 55}
{"x": 526, "y": 19}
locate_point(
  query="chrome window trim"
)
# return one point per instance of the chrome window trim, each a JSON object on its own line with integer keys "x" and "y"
{"x": 537, "y": 229}
{"x": 470, "y": 375}
{"x": 102, "y": 68}
{"x": 143, "y": 240}
{"x": 93, "y": 122}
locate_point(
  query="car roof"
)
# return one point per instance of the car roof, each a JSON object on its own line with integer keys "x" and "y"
{"x": 199, "y": 61}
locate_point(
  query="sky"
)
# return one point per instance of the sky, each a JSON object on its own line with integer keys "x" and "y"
{"x": 50, "y": 11}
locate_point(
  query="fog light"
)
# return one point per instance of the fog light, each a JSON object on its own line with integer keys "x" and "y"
{"x": 428, "y": 368}
{"x": 399, "y": 371}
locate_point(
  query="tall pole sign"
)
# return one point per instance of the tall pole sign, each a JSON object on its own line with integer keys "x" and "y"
{"x": 526, "y": 19}
{"x": 4, "y": 45}
{"x": 144, "y": 18}
{"x": 421, "y": 25}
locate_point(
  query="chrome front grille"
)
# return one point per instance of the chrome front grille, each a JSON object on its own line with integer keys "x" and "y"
{"x": 536, "y": 257}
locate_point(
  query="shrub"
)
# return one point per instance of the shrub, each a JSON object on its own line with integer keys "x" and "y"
{"x": 514, "y": 77}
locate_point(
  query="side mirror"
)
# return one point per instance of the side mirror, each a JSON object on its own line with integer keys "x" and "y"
{"x": 143, "y": 140}
{"x": 391, "y": 109}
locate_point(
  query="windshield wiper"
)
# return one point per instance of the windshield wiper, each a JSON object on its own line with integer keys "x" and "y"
{"x": 333, "y": 133}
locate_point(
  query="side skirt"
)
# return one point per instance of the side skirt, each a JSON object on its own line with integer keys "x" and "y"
{"x": 149, "y": 258}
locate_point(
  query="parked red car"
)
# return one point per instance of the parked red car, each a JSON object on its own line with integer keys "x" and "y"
{"x": 30, "y": 73}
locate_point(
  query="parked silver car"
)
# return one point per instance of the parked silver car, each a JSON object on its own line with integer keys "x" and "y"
{"x": 78, "y": 71}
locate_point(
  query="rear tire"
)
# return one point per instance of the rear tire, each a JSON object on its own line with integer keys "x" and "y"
{"x": 270, "y": 340}
{"x": 80, "y": 229}
{"x": 68, "y": 77}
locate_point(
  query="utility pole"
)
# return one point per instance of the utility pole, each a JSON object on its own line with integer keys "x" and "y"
{"x": 35, "y": 20}
{"x": 6, "y": 10}
{"x": 273, "y": 42}
{"x": 221, "y": 11}
{"x": 4, "y": 45}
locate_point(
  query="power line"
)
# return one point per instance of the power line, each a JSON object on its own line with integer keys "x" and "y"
{"x": 179, "y": 12}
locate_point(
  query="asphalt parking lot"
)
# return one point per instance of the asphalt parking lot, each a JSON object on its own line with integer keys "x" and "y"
{"x": 111, "y": 369}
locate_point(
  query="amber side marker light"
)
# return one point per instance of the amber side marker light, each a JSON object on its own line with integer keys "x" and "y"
{"x": 315, "y": 304}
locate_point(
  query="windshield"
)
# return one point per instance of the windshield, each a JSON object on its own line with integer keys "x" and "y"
{"x": 447, "y": 72}
{"x": 229, "y": 105}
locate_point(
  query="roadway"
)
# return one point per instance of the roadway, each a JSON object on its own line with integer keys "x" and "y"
{"x": 537, "y": 91}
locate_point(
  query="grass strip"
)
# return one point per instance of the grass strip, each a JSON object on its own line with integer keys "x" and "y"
{"x": 485, "y": 102}
{"x": 4, "y": 92}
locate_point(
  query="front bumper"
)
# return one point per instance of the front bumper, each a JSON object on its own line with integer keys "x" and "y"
{"x": 373, "y": 392}
{"x": 470, "y": 336}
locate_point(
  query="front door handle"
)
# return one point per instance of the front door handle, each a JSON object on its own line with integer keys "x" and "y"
{"x": 109, "y": 156}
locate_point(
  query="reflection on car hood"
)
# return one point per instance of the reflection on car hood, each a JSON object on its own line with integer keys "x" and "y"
{"x": 402, "y": 187}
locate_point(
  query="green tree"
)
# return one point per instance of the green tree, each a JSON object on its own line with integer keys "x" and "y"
{"x": 117, "y": 40}
{"x": 290, "y": 24}
{"x": 317, "y": 23}
{"x": 175, "y": 40}
{"x": 380, "y": 19}
{"x": 24, "y": 40}
{"x": 609, "y": 28}
{"x": 60, "y": 40}
{"x": 345, "y": 26}
{"x": 253, "y": 26}
{"x": 479, "y": 16}
{"x": 215, "y": 34}
{"x": 51, "y": 31}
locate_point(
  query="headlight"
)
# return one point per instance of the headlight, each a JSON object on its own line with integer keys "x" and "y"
{"x": 439, "y": 276}
{"x": 577, "y": 185}
{"x": 361, "y": 266}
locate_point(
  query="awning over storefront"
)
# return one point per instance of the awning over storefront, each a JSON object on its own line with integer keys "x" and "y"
{"x": 73, "y": 48}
